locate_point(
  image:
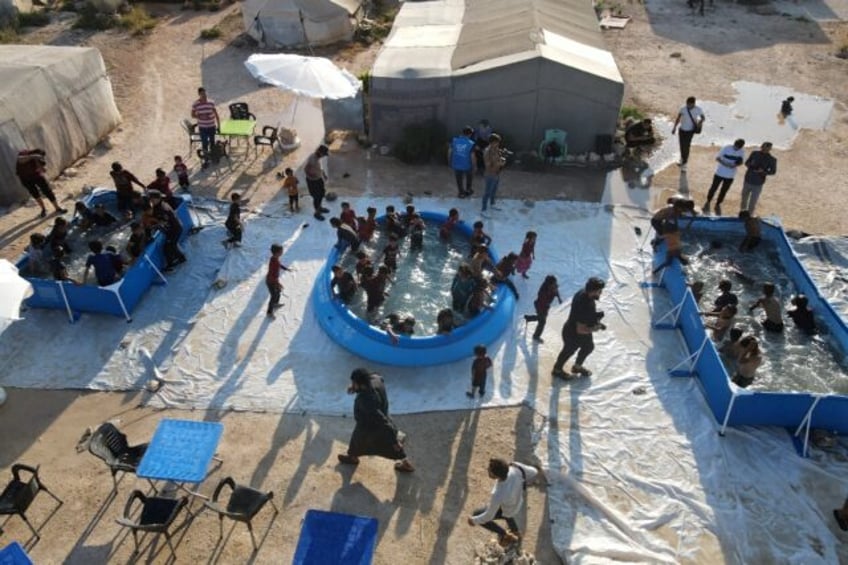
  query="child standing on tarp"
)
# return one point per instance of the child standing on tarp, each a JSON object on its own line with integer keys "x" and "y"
{"x": 479, "y": 369}
{"x": 233, "y": 223}
{"x": 272, "y": 279}
{"x": 527, "y": 254}
{"x": 290, "y": 183}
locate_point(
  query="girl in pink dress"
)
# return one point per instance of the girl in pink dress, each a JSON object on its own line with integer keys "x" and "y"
{"x": 528, "y": 253}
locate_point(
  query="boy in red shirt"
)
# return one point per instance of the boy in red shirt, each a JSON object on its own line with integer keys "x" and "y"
{"x": 272, "y": 279}
{"x": 479, "y": 368}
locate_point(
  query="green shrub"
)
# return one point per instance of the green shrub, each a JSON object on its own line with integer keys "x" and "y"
{"x": 365, "y": 78}
{"x": 33, "y": 19}
{"x": 89, "y": 17}
{"x": 420, "y": 143}
{"x": 137, "y": 21}
{"x": 628, "y": 112}
{"x": 8, "y": 35}
{"x": 210, "y": 33}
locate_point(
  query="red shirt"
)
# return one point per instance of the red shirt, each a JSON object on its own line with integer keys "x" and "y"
{"x": 163, "y": 185}
{"x": 274, "y": 268}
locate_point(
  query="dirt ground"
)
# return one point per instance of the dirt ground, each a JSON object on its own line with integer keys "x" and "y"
{"x": 421, "y": 516}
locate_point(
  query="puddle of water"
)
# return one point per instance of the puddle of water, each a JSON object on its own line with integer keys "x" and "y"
{"x": 752, "y": 116}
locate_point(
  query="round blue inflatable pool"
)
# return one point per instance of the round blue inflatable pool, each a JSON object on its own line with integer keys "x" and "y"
{"x": 369, "y": 342}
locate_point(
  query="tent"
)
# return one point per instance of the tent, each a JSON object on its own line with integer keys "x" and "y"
{"x": 525, "y": 65}
{"x": 55, "y": 98}
{"x": 288, "y": 23}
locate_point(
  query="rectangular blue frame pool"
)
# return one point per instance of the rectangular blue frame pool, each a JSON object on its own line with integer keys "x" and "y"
{"x": 731, "y": 405}
{"x": 118, "y": 299}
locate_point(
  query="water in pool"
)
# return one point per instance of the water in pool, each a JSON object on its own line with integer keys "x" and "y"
{"x": 792, "y": 360}
{"x": 116, "y": 235}
{"x": 421, "y": 286}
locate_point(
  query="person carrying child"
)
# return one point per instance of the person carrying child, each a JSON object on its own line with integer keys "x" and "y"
{"x": 547, "y": 292}
{"x": 773, "y": 321}
{"x": 290, "y": 185}
{"x": 527, "y": 254}
{"x": 479, "y": 370}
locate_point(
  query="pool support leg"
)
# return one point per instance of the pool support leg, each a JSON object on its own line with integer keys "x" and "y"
{"x": 689, "y": 362}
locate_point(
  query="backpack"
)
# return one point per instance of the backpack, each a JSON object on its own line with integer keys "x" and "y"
{"x": 523, "y": 476}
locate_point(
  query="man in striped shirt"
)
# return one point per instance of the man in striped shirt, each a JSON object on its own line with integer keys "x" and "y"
{"x": 203, "y": 110}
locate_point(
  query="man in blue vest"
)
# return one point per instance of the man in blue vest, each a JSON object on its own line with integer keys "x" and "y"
{"x": 460, "y": 158}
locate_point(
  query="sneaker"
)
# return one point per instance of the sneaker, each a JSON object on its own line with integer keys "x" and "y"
{"x": 538, "y": 339}
{"x": 581, "y": 371}
{"x": 318, "y": 216}
{"x": 462, "y": 195}
{"x": 278, "y": 306}
{"x": 43, "y": 213}
{"x": 325, "y": 210}
{"x": 496, "y": 208}
{"x": 271, "y": 315}
{"x": 525, "y": 276}
{"x": 683, "y": 167}
{"x": 843, "y": 525}
{"x": 61, "y": 211}
{"x": 469, "y": 394}
{"x": 559, "y": 373}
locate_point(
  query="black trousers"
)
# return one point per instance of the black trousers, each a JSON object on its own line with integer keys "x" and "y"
{"x": 685, "y": 138}
{"x": 173, "y": 254}
{"x": 572, "y": 343}
{"x": 468, "y": 175}
{"x": 276, "y": 289}
{"x": 316, "y": 191}
{"x": 725, "y": 186}
{"x": 540, "y": 319}
{"x": 493, "y": 527}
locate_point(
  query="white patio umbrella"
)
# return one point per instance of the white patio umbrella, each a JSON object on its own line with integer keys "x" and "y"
{"x": 313, "y": 77}
{"x": 14, "y": 289}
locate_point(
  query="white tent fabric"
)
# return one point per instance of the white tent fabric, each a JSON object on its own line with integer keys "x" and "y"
{"x": 56, "y": 98}
{"x": 287, "y": 23}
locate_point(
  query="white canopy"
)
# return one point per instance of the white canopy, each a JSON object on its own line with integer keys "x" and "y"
{"x": 56, "y": 98}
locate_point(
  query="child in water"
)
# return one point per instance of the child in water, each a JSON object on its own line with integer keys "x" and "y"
{"x": 802, "y": 315}
{"x": 752, "y": 231}
{"x": 747, "y": 362}
{"x": 416, "y": 232}
{"x": 723, "y": 322}
{"x": 447, "y": 228}
{"x": 773, "y": 321}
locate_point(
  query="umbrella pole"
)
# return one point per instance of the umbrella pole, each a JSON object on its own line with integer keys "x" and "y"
{"x": 294, "y": 109}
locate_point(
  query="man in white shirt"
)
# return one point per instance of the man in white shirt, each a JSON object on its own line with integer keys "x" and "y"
{"x": 729, "y": 159}
{"x": 506, "y": 501}
{"x": 690, "y": 118}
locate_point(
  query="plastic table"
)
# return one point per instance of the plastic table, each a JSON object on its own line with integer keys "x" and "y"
{"x": 331, "y": 538}
{"x": 239, "y": 129}
{"x": 181, "y": 451}
{"x": 14, "y": 554}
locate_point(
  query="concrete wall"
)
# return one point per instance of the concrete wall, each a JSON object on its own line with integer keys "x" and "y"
{"x": 521, "y": 101}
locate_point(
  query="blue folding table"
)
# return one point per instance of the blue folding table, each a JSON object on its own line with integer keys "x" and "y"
{"x": 181, "y": 451}
{"x": 14, "y": 554}
{"x": 331, "y": 538}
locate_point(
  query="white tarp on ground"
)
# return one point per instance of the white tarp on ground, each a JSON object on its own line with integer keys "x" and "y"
{"x": 638, "y": 472}
{"x": 55, "y": 98}
{"x": 287, "y": 23}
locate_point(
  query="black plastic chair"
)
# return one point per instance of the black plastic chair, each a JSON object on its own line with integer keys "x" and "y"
{"x": 157, "y": 515}
{"x": 267, "y": 139}
{"x": 19, "y": 494}
{"x": 193, "y": 134}
{"x": 110, "y": 445}
{"x": 240, "y": 111}
{"x": 244, "y": 503}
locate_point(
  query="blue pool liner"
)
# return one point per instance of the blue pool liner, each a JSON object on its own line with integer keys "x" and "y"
{"x": 371, "y": 343}
{"x": 118, "y": 299}
{"x": 332, "y": 538}
{"x": 734, "y": 406}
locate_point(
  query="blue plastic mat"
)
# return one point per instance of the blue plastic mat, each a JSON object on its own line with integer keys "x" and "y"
{"x": 331, "y": 538}
{"x": 14, "y": 554}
